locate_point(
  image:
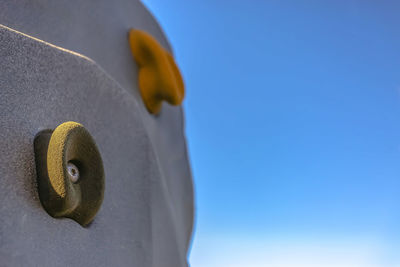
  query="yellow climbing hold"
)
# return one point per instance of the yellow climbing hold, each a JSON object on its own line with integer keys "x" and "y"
{"x": 70, "y": 172}
{"x": 159, "y": 76}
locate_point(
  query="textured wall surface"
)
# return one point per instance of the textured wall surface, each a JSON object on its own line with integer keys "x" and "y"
{"x": 147, "y": 214}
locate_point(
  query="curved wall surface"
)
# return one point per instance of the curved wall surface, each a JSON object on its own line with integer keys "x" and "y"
{"x": 70, "y": 61}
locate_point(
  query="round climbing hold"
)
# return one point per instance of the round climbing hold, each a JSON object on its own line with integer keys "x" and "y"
{"x": 70, "y": 172}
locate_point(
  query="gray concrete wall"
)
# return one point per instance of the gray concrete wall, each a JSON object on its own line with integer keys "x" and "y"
{"x": 147, "y": 215}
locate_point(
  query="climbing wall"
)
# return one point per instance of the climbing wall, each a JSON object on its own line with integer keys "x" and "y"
{"x": 71, "y": 61}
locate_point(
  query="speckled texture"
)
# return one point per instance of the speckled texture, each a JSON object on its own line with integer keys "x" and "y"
{"x": 78, "y": 196}
{"x": 147, "y": 212}
{"x": 99, "y": 29}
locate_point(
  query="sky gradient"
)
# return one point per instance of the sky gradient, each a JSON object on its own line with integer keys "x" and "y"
{"x": 292, "y": 119}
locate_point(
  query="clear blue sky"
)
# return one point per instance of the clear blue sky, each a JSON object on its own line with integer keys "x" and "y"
{"x": 293, "y": 126}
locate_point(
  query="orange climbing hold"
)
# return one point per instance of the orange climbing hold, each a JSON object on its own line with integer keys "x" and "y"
{"x": 159, "y": 76}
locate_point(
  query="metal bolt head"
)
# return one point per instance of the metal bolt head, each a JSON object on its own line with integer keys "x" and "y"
{"x": 73, "y": 172}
